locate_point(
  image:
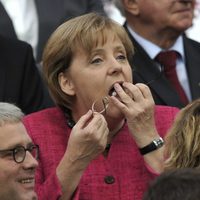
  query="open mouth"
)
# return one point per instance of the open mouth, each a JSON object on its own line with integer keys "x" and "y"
{"x": 101, "y": 105}
{"x": 112, "y": 91}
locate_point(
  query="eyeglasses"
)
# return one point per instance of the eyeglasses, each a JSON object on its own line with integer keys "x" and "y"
{"x": 19, "y": 153}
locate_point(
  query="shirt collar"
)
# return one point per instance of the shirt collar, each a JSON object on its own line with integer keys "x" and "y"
{"x": 152, "y": 49}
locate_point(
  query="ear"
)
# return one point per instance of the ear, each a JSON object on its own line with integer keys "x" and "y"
{"x": 131, "y": 6}
{"x": 66, "y": 84}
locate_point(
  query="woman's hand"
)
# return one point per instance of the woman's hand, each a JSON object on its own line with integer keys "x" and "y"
{"x": 137, "y": 105}
{"x": 88, "y": 138}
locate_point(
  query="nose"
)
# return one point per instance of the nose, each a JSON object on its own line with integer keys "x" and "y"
{"x": 30, "y": 161}
{"x": 115, "y": 67}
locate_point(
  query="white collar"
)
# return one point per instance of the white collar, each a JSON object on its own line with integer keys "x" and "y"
{"x": 152, "y": 49}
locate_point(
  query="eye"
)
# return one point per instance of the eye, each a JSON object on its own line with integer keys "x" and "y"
{"x": 18, "y": 149}
{"x": 96, "y": 61}
{"x": 121, "y": 57}
{"x": 8, "y": 154}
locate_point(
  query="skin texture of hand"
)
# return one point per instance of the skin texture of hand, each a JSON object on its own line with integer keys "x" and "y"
{"x": 87, "y": 140}
{"x": 137, "y": 105}
{"x": 88, "y": 137}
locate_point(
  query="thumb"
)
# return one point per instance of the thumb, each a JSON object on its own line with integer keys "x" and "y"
{"x": 83, "y": 121}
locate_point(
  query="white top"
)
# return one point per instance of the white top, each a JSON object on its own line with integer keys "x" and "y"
{"x": 194, "y": 31}
{"x": 152, "y": 50}
{"x": 24, "y": 16}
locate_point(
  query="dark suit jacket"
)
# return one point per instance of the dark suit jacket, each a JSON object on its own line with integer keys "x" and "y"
{"x": 144, "y": 71}
{"x": 51, "y": 13}
{"x": 20, "y": 82}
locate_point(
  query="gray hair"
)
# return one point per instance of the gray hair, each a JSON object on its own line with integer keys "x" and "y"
{"x": 9, "y": 113}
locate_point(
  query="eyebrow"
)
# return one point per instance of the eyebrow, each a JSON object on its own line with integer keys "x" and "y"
{"x": 17, "y": 145}
{"x": 116, "y": 48}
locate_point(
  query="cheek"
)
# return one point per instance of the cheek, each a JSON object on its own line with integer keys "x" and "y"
{"x": 129, "y": 74}
{"x": 7, "y": 178}
{"x": 84, "y": 97}
{"x": 9, "y": 170}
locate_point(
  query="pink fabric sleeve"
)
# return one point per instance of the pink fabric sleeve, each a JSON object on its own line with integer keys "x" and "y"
{"x": 51, "y": 189}
{"x": 152, "y": 171}
{"x": 171, "y": 117}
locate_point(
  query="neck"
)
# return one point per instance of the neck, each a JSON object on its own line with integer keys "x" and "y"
{"x": 163, "y": 38}
{"x": 114, "y": 130}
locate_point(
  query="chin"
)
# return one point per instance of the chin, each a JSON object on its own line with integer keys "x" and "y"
{"x": 29, "y": 196}
{"x": 182, "y": 27}
{"x": 114, "y": 113}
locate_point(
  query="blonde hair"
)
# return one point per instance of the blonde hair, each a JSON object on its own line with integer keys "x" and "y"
{"x": 85, "y": 32}
{"x": 183, "y": 139}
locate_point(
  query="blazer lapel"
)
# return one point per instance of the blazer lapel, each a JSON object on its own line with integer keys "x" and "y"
{"x": 192, "y": 55}
{"x": 146, "y": 71}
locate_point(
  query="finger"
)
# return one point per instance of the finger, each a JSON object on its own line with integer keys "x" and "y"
{"x": 144, "y": 90}
{"x": 122, "y": 95}
{"x": 96, "y": 122}
{"x": 83, "y": 121}
{"x": 134, "y": 92}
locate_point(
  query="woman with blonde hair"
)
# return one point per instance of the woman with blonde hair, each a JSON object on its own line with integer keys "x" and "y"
{"x": 183, "y": 139}
{"x": 104, "y": 138}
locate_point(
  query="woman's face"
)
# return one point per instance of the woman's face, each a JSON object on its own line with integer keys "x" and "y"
{"x": 91, "y": 77}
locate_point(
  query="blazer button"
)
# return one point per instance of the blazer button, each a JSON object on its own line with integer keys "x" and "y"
{"x": 109, "y": 179}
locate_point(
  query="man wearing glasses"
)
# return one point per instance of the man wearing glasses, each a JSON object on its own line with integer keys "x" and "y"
{"x": 18, "y": 156}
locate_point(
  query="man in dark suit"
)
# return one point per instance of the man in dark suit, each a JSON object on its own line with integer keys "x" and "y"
{"x": 20, "y": 82}
{"x": 51, "y": 13}
{"x": 156, "y": 26}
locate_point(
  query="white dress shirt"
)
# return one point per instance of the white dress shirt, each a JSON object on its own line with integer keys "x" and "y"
{"x": 24, "y": 17}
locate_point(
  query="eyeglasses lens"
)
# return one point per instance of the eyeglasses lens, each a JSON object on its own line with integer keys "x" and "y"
{"x": 19, "y": 154}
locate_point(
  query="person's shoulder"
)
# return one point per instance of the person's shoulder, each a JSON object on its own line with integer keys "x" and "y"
{"x": 13, "y": 45}
{"x": 163, "y": 110}
{"x": 45, "y": 114}
{"x": 164, "y": 117}
{"x": 191, "y": 42}
{"x": 47, "y": 119}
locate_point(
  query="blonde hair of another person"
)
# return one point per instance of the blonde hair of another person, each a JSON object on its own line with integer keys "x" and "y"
{"x": 183, "y": 139}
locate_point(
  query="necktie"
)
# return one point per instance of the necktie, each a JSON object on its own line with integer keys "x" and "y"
{"x": 168, "y": 60}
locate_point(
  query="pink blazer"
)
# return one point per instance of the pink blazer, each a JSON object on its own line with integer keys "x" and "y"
{"x": 122, "y": 175}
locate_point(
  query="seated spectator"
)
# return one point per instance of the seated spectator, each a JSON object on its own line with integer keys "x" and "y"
{"x": 165, "y": 58}
{"x": 183, "y": 139}
{"x": 104, "y": 138}
{"x": 179, "y": 184}
{"x": 33, "y": 21}
{"x": 18, "y": 156}
{"x": 20, "y": 81}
